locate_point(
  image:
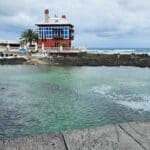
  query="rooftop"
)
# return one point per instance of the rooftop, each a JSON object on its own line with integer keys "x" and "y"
{"x": 55, "y": 21}
{"x": 61, "y": 20}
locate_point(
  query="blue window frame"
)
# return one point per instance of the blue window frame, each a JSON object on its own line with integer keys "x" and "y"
{"x": 48, "y": 32}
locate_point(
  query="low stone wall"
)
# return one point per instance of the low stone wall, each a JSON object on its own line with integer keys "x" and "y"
{"x": 85, "y": 60}
{"x": 104, "y": 60}
{"x": 128, "y": 136}
{"x": 12, "y": 61}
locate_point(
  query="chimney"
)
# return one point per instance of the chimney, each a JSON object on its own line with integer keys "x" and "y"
{"x": 46, "y": 12}
{"x": 63, "y": 16}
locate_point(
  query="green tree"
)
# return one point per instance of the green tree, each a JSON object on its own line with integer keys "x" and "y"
{"x": 29, "y": 36}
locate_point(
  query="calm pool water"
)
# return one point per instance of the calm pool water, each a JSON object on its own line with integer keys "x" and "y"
{"x": 42, "y": 99}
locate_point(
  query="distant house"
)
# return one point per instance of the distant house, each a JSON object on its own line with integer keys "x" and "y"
{"x": 55, "y": 32}
{"x": 5, "y": 45}
{"x": 11, "y": 43}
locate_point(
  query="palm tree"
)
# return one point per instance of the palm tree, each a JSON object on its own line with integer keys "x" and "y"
{"x": 29, "y": 36}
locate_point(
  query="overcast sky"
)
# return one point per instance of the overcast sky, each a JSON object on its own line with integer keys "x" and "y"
{"x": 98, "y": 23}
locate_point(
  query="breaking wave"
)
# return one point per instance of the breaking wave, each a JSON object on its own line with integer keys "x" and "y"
{"x": 120, "y": 51}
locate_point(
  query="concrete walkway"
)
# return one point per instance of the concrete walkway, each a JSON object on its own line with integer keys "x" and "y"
{"x": 128, "y": 136}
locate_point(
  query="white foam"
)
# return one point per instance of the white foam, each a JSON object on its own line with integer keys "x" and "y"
{"x": 143, "y": 104}
{"x": 104, "y": 89}
{"x": 120, "y": 51}
{"x": 142, "y": 101}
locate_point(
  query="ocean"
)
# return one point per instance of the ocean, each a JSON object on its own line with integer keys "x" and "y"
{"x": 41, "y": 99}
{"x": 119, "y": 50}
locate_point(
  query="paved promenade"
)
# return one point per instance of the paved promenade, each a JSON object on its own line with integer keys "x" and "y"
{"x": 128, "y": 136}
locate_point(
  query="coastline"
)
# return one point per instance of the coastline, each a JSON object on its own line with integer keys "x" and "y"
{"x": 125, "y": 136}
{"x": 137, "y": 60}
{"x": 105, "y": 60}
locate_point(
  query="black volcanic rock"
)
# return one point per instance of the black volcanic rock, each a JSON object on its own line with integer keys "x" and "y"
{"x": 104, "y": 60}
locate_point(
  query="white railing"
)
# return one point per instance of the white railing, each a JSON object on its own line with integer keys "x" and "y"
{"x": 14, "y": 49}
{"x": 63, "y": 49}
{"x": 45, "y": 49}
{"x": 31, "y": 48}
{"x": 52, "y": 48}
{"x": 3, "y": 48}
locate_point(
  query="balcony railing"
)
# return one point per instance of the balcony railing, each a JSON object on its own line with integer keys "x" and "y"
{"x": 44, "y": 49}
{"x": 64, "y": 49}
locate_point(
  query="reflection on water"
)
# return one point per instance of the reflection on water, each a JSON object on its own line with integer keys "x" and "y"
{"x": 41, "y": 99}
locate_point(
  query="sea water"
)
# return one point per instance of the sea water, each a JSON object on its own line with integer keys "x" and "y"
{"x": 119, "y": 50}
{"x": 41, "y": 99}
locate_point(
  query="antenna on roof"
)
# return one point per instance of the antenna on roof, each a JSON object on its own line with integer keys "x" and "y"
{"x": 46, "y": 12}
{"x": 63, "y": 16}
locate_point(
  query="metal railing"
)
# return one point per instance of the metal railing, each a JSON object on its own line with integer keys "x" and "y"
{"x": 3, "y": 48}
{"x": 14, "y": 48}
{"x": 64, "y": 49}
{"x": 44, "y": 49}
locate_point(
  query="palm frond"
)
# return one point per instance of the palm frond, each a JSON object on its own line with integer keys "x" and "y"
{"x": 29, "y": 36}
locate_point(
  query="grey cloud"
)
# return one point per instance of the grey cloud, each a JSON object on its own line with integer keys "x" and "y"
{"x": 102, "y": 18}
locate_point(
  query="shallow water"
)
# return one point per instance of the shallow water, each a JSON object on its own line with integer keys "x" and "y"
{"x": 42, "y": 99}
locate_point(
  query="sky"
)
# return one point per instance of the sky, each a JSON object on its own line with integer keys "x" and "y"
{"x": 98, "y": 23}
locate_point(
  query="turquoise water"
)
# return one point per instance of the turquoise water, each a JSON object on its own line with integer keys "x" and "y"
{"x": 42, "y": 99}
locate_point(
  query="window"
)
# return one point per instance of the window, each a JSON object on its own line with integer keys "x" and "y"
{"x": 50, "y": 32}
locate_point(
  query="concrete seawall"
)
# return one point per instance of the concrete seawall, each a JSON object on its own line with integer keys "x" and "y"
{"x": 127, "y": 136}
{"x": 84, "y": 60}
{"x": 105, "y": 60}
{"x": 12, "y": 61}
{"x": 95, "y": 60}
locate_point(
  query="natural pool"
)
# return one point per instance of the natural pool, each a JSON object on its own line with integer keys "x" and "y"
{"x": 42, "y": 99}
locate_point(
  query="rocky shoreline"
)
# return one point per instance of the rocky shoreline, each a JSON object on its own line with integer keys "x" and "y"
{"x": 85, "y": 60}
{"x": 126, "y": 136}
{"x": 104, "y": 60}
{"x": 12, "y": 61}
